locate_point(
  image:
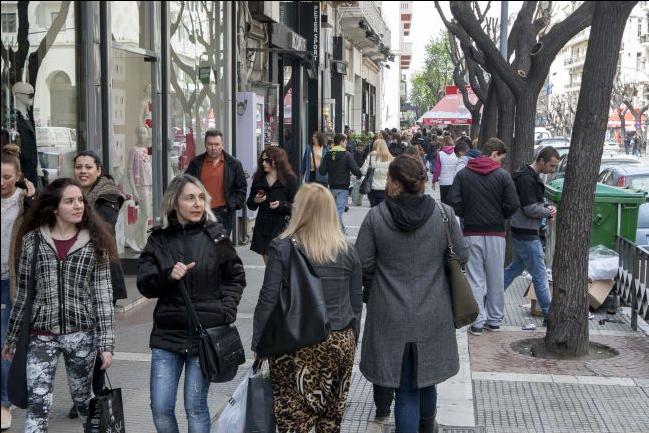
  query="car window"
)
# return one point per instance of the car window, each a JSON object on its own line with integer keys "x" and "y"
{"x": 603, "y": 176}
{"x": 640, "y": 183}
{"x": 563, "y": 163}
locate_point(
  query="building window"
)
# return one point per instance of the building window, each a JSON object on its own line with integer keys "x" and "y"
{"x": 8, "y": 23}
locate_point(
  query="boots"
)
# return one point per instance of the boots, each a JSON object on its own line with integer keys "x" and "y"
{"x": 428, "y": 425}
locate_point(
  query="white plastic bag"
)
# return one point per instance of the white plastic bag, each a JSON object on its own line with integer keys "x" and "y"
{"x": 233, "y": 416}
{"x": 603, "y": 263}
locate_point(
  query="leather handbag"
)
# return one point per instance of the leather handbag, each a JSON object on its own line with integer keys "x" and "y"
{"x": 220, "y": 350}
{"x": 465, "y": 308}
{"x": 300, "y": 317}
{"x": 17, "y": 381}
{"x": 366, "y": 185}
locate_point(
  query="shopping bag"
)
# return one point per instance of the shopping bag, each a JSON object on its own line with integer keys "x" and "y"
{"x": 132, "y": 213}
{"x": 357, "y": 197}
{"x": 106, "y": 412}
{"x": 233, "y": 416}
{"x": 260, "y": 417}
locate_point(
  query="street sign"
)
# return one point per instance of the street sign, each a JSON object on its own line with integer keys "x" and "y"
{"x": 204, "y": 74}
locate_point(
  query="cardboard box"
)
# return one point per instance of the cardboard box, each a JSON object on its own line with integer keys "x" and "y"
{"x": 597, "y": 292}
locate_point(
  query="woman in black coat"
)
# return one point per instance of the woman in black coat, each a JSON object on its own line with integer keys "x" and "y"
{"x": 190, "y": 251}
{"x": 273, "y": 188}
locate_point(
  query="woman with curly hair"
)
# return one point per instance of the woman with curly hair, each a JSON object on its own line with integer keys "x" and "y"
{"x": 72, "y": 311}
{"x": 273, "y": 188}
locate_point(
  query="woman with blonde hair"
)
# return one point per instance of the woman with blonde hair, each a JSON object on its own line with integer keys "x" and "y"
{"x": 310, "y": 384}
{"x": 379, "y": 159}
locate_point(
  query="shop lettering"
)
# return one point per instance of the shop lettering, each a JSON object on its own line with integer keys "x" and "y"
{"x": 316, "y": 33}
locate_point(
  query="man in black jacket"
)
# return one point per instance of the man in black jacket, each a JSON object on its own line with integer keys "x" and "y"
{"x": 484, "y": 194}
{"x": 223, "y": 177}
{"x": 339, "y": 164}
{"x": 527, "y": 250}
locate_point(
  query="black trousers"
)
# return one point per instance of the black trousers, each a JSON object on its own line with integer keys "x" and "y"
{"x": 226, "y": 217}
{"x": 376, "y": 196}
{"x": 443, "y": 193}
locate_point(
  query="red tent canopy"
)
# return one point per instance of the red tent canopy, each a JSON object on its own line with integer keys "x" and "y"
{"x": 450, "y": 110}
{"x": 629, "y": 120}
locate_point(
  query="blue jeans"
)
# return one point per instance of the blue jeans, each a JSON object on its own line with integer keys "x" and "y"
{"x": 6, "y": 311}
{"x": 411, "y": 403}
{"x": 340, "y": 196}
{"x": 165, "y": 374}
{"x": 529, "y": 255}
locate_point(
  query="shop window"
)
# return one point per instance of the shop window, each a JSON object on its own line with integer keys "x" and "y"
{"x": 130, "y": 24}
{"x": 39, "y": 110}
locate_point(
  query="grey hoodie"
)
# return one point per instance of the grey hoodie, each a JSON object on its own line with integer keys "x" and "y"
{"x": 526, "y": 222}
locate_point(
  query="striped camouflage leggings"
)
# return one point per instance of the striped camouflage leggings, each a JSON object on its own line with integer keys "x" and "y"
{"x": 310, "y": 385}
{"x": 79, "y": 354}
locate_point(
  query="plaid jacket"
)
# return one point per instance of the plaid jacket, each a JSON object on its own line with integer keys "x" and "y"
{"x": 71, "y": 295}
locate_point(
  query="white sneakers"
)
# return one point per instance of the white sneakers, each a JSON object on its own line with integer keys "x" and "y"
{"x": 5, "y": 418}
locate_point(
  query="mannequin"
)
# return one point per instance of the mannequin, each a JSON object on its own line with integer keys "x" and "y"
{"x": 146, "y": 106}
{"x": 140, "y": 184}
{"x": 23, "y": 102}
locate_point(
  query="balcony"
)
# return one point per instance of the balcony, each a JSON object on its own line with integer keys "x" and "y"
{"x": 644, "y": 6}
{"x": 364, "y": 26}
{"x": 574, "y": 62}
{"x": 405, "y": 48}
{"x": 582, "y": 36}
{"x": 644, "y": 39}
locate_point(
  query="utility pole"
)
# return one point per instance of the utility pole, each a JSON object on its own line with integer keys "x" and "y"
{"x": 503, "y": 29}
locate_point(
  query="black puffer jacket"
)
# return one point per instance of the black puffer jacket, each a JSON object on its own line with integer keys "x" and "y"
{"x": 215, "y": 284}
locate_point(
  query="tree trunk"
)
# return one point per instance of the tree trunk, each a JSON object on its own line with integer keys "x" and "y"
{"x": 489, "y": 121}
{"x": 621, "y": 114}
{"x": 567, "y": 332}
{"x": 506, "y": 113}
{"x": 475, "y": 125}
{"x": 523, "y": 148}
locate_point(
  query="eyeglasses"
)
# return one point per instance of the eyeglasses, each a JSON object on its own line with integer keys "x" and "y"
{"x": 267, "y": 160}
{"x": 31, "y": 95}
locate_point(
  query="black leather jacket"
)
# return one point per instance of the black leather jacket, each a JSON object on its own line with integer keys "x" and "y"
{"x": 341, "y": 284}
{"x": 214, "y": 285}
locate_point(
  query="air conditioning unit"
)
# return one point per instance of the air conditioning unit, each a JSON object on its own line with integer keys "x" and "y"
{"x": 266, "y": 12}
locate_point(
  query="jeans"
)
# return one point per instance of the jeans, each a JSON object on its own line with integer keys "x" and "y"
{"x": 6, "y": 311}
{"x": 340, "y": 196}
{"x": 411, "y": 403}
{"x": 226, "y": 217}
{"x": 166, "y": 368}
{"x": 528, "y": 255}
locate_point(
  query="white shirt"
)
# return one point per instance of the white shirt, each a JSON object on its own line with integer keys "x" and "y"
{"x": 9, "y": 214}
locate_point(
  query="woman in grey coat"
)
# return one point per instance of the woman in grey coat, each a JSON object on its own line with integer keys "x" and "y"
{"x": 409, "y": 341}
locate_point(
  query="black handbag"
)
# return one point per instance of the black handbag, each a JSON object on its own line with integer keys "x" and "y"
{"x": 220, "y": 350}
{"x": 366, "y": 185}
{"x": 106, "y": 412}
{"x": 300, "y": 317}
{"x": 17, "y": 381}
{"x": 465, "y": 308}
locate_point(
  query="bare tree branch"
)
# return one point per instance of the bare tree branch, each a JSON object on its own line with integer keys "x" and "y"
{"x": 37, "y": 57}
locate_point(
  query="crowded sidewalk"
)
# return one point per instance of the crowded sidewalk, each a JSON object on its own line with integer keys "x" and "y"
{"x": 496, "y": 390}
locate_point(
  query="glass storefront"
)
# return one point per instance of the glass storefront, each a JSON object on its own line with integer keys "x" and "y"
{"x": 39, "y": 88}
{"x": 198, "y": 83}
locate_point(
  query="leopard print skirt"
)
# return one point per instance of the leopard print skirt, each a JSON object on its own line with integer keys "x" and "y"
{"x": 310, "y": 385}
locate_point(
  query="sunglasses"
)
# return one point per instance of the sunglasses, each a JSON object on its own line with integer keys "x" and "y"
{"x": 31, "y": 95}
{"x": 267, "y": 160}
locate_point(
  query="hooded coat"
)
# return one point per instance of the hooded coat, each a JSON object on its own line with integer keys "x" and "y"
{"x": 402, "y": 247}
{"x": 445, "y": 163}
{"x": 485, "y": 196}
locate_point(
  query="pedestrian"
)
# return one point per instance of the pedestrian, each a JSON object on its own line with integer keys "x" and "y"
{"x": 465, "y": 158}
{"x": 310, "y": 385}
{"x": 409, "y": 340}
{"x": 312, "y": 159}
{"x": 635, "y": 145}
{"x": 106, "y": 199}
{"x": 223, "y": 177}
{"x": 484, "y": 195}
{"x": 15, "y": 201}
{"x": 189, "y": 248}
{"x": 527, "y": 250}
{"x": 339, "y": 164}
{"x": 627, "y": 144}
{"x": 72, "y": 307}
{"x": 445, "y": 164}
{"x": 273, "y": 188}
{"x": 379, "y": 159}
{"x": 398, "y": 144}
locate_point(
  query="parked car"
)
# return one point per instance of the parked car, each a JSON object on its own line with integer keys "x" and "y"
{"x": 57, "y": 161}
{"x": 642, "y": 232}
{"x": 607, "y": 161}
{"x": 562, "y": 145}
{"x": 612, "y": 148}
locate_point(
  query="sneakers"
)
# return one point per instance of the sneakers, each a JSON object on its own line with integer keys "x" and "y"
{"x": 5, "y": 418}
{"x": 492, "y": 328}
{"x": 475, "y": 331}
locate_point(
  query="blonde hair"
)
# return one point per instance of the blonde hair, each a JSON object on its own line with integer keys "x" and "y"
{"x": 381, "y": 151}
{"x": 315, "y": 224}
{"x": 172, "y": 195}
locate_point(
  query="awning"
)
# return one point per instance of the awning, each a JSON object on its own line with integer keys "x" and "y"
{"x": 450, "y": 110}
{"x": 629, "y": 121}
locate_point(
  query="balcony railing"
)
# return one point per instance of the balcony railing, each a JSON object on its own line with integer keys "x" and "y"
{"x": 370, "y": 12}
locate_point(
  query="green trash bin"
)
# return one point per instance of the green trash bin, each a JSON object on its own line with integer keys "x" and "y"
{"x": 615, "y": 211}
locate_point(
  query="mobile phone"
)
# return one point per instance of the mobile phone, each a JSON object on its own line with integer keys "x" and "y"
{"x": 261, "y": 192}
